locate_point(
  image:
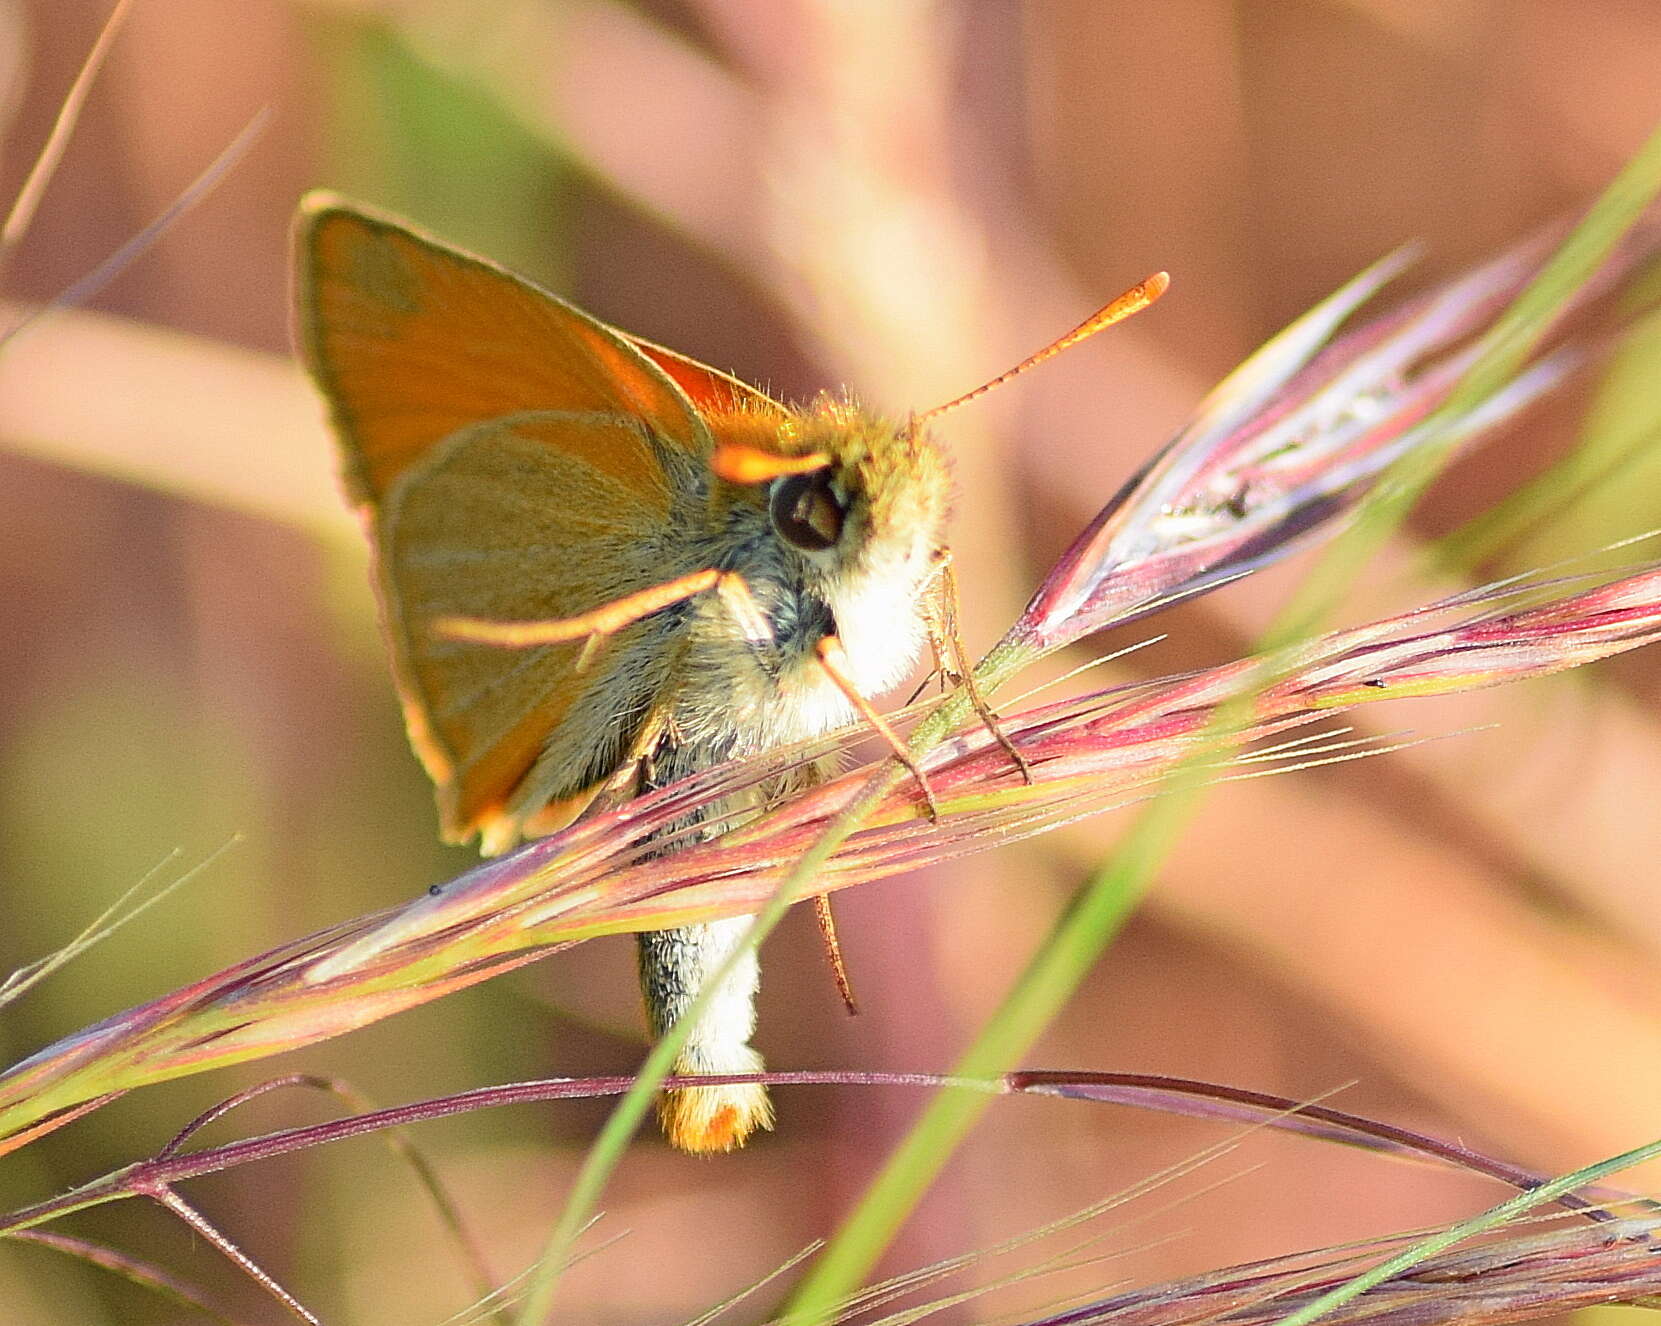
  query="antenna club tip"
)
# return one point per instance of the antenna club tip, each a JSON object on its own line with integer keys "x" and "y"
{"x": 1157, "y": 284}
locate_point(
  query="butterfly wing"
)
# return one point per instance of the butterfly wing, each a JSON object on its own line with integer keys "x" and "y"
{"x": 510, "y": 521}
{"x": 412, "y": 341}
{"x": 511, "y": 453}
{"x": 713, "y": 392}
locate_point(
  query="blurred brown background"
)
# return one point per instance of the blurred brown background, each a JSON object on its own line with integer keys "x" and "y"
{"x": 905, "y": 198}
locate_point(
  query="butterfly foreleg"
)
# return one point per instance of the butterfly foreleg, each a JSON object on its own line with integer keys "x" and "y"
{"x": 833, "y": 659}
{"x": 940, "y": 617}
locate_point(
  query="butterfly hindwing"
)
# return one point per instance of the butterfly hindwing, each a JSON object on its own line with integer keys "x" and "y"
{"x": 498, "y": 523}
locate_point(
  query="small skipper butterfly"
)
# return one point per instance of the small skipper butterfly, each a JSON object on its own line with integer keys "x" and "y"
{"x": 687, "y": 570}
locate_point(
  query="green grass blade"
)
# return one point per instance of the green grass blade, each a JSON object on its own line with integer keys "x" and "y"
{"x": 1608, "y": 474}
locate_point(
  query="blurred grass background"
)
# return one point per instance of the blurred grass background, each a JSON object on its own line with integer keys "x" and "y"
{"x": 905, "y": 198}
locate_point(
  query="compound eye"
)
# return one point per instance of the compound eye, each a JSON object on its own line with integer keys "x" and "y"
{"x": 806, "y": 511}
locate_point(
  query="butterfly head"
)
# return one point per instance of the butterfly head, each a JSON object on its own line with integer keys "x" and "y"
{"x": 856, "y": 496}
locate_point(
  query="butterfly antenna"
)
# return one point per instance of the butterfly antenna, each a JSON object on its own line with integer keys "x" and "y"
{"x": 1134, "y": 300}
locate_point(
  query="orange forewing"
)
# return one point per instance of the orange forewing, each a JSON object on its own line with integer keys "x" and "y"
{"x": 713, "y": 393}
{"x": 495, "y": 435}
{"x": 412, "y": 341}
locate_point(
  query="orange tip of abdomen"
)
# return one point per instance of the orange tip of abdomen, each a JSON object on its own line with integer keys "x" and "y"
{"x": 716, "y": 1118}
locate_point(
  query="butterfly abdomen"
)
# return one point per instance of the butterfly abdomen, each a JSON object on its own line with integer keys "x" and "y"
{"x": 674, "y": 967}
{"x": 677, "y": 965}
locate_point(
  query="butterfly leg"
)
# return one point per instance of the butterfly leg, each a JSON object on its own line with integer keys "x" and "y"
{"x": 826, "y": 920}
{"x": 953, "y": 660}
{"x": 833, "y": 658}
{"x": 798, "y": 780}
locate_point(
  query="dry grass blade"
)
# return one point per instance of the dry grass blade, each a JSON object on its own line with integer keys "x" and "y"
{"x": 22, "y": 213}
{"x": 1507, "y": 1279}
{"x": 154, "y": 1278}
{"x": 117, "y": 262}
{"x": 128, "y": 907}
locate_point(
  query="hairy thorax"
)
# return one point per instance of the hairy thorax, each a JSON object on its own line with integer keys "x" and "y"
{"x": 747, "y": 695}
